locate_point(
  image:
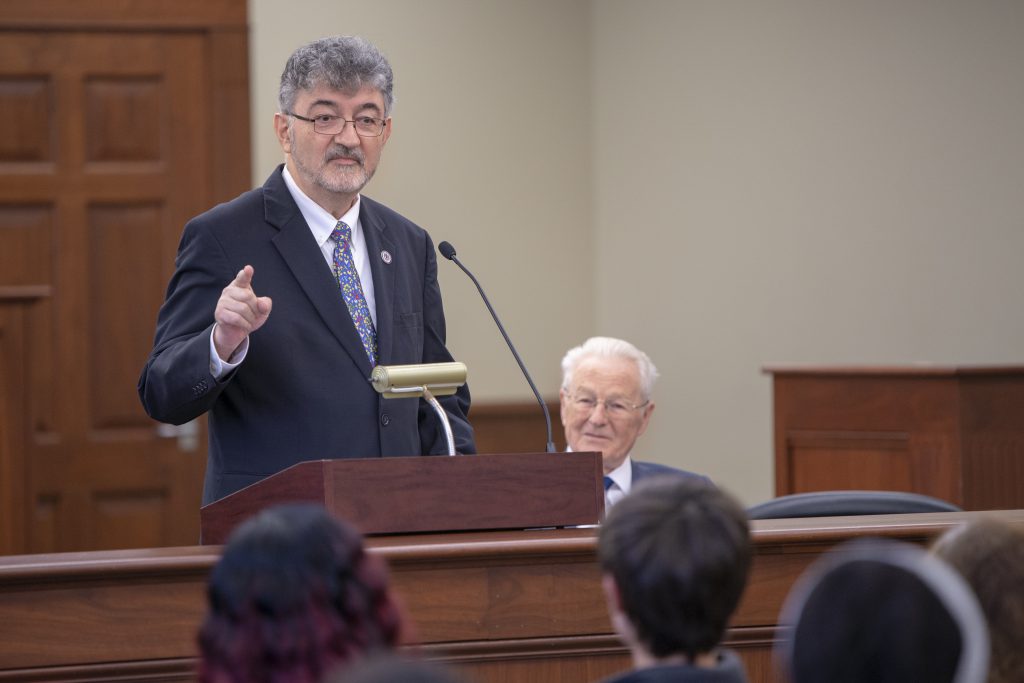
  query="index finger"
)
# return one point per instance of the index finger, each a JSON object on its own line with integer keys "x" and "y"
{"x": 244, "y": 277}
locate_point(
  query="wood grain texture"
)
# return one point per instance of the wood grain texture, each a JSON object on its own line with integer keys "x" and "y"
{"x": 501, "y": 606}
{"x": 123, "y": 123}
{"x": 429, "y": 494}
{"x": 514, "y": 427}
{"x": 956, "y": 433}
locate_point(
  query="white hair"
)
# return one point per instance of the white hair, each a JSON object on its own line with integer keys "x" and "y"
{"x": 609, "y": 347}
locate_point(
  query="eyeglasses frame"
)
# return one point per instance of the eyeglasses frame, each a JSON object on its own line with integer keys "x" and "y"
{"x": 632, "y": 408}
{"x": 345, "y": 122}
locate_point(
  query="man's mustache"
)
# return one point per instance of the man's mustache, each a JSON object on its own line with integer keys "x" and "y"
{"x": 343, "y": 152}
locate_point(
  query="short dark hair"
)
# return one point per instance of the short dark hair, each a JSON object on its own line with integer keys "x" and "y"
{"x": 679, "y": 552}
{"x": 884, "y": 612}
{"x": 294, "y": 595}
{"x": 989, "y": 553}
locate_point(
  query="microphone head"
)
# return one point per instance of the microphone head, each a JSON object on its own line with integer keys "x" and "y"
{"x": 447, "y": 250}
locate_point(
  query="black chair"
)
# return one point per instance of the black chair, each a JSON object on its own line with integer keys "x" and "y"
{"x": 836, "y": 503}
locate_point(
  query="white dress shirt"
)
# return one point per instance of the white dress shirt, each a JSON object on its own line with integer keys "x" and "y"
{"x": 622, "y": 481}
{"x": 321, "y": 224}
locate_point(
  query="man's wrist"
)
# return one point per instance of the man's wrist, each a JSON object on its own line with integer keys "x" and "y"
{"x": 220, "y": 367}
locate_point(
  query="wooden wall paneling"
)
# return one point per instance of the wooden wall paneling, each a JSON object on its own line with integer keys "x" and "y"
{"x": 23, "y": 100}
{"x": 24, "y": 242}
{"x": 24, "y": 274}
{"x": 229, "y": 143}
{"x": 115, "y": 330}
{"x": 144, "y": 15}
{"x": 100, "y": 482}
{"x": 26, "y": 235}
{"x": 13, "y": 479}
{"x": 992, "y": 428}
{"x": 126, "y": 124}
{"x": 514, "y": 427}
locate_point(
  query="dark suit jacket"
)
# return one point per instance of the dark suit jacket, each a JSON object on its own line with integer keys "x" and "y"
{"x": 302, "y": 392}
{"x": 646, "y": 470}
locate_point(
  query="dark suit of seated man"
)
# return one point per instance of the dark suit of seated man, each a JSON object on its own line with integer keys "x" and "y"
{"x": 606, "y": 405}
{"x": 675, "y": 555}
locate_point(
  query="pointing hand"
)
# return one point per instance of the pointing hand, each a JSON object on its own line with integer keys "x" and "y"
{"x": 239, "y": 313}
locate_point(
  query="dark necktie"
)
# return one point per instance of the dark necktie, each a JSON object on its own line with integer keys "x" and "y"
{"x": 608, "y": 483}
{"x": 348, "y": 281}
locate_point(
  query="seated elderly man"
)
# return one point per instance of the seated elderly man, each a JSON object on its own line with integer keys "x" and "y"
{"x": 606, "y": 405}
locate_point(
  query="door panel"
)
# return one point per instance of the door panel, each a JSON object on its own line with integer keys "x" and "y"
{"x": 106, "y": 161}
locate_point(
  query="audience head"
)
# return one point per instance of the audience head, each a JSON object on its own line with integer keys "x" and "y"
{"x": 884, "y": 612}
{"x": 989, "y": 554}
{"x": 294, "y": 595}
{"x": 675, "y": 554}
{"x": 606, "y": 397}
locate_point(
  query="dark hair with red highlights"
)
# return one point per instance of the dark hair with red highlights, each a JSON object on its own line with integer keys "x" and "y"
{"x": 294, "y": 596}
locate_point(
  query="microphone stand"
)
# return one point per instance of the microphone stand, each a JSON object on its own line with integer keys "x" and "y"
{"x": 501, "y": 328}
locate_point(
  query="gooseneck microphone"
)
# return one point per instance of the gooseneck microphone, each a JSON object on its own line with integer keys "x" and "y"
{"x": 448, "y": 251}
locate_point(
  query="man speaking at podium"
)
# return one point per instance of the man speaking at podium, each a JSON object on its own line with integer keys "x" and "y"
{"x": 285, "y": 298}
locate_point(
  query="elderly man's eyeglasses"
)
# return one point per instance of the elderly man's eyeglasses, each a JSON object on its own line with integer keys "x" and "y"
{"x": 329, "y": 124}
{"x": 614, "y": 408}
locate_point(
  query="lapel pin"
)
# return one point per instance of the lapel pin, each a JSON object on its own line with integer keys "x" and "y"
{"x": 385, "y": 256}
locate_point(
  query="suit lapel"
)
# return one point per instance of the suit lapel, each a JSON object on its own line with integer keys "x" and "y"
{"x": 383, "y": 258}
{"x": 299, "y": 250}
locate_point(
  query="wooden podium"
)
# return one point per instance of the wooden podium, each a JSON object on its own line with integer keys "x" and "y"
{"x": 956, "y": 433}
{"x": 429, "y": 493}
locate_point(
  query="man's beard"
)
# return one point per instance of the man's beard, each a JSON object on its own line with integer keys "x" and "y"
{"x": 338, "y": 179}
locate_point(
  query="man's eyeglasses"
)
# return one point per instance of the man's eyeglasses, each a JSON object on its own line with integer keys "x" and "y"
{"x": 613, "y": 408}
{"x": 329, "y": 124}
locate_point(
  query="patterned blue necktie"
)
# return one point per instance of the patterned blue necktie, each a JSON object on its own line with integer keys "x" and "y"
{"x": 352, "y": 291}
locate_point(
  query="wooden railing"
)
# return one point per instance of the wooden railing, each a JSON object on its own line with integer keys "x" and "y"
{"x": 521, "y": 605}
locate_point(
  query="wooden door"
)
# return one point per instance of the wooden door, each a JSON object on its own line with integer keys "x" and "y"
{"x": 12, "y": 421}
{"x": 103, "y": 157}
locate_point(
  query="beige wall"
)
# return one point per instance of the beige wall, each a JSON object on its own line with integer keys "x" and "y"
{"x": 733, "y": 184}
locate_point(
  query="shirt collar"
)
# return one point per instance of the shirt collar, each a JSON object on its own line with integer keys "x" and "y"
{"x": 623, "y": 474}
{"x": 320, "y": 221}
